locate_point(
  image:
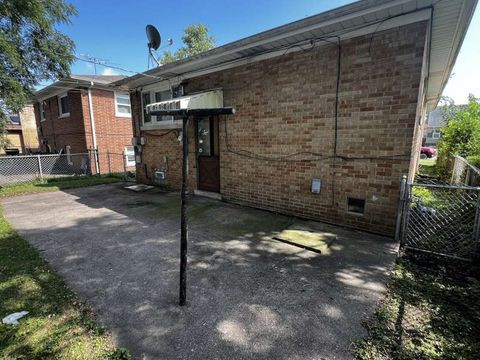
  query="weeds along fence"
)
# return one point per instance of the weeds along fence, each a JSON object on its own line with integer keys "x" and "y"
{"x": 464, "y": 173}
{"x": 17, "y": 169}
{"x": 440, "y": 219}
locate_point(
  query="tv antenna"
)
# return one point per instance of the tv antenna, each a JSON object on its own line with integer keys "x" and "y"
{"x": 94, "y": 60}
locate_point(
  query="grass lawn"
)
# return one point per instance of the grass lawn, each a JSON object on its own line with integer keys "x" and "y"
{"x": 56, "y": 184}
{"x": 430, "y": 312}
{"x": 428, "y": 162}
{"x": 427, "y": 166}
{"x": 58, "y": 326}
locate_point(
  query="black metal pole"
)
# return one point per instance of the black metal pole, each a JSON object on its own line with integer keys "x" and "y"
{"x": 154, "y": 110}
{"x": 183, "y": 215}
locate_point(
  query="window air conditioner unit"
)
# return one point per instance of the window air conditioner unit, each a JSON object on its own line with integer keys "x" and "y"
{"x": 205, "y": 100}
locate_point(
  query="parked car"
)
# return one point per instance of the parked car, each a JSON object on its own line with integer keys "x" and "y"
{"x": 428, "y": 152}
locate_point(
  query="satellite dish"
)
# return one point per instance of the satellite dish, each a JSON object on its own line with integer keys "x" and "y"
{"x": 153, "y": 36}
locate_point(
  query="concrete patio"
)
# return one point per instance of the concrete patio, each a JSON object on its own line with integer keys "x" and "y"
{"x": 249, "y": 297}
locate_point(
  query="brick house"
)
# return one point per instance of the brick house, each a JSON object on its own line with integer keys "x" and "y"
{"x": 21, "y": 133}
{"x": 433, "y": 125}
{"x": 316, "y": 103}
{"x": 84, "y": 112}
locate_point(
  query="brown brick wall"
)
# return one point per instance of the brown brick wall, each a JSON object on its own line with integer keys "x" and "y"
{"x": 162, "y": 151}
{"x": 285, "y": 106}
{"x": 60, "y": 132}
{"x": 113, "y": 133}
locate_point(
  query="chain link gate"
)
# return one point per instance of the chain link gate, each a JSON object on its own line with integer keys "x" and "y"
{"x": 440, "y": 219}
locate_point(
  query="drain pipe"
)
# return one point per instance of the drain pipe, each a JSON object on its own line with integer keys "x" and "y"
{"x": 94, "y": 133}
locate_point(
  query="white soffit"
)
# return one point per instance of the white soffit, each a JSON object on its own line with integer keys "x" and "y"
{"x": 449, "y": 26}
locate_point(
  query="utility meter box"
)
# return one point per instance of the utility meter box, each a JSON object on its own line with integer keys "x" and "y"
{"x": 316, "y": 185}
{"x": 159, "y": 177}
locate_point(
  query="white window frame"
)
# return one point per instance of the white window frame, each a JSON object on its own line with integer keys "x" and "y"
{"x": 41, "y": 109}
{"x": 436, "y": 134}
{"x": 59, "y": 100}
{"x": 120, "y": 114}
{"x": 126, "y": 152}
{"x": 154, "y": 123}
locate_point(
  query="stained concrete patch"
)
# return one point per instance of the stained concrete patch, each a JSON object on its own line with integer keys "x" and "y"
{"x": 139, "y": 187}
{"x": 248, "y": 297}
{"x": 307, "y": 237}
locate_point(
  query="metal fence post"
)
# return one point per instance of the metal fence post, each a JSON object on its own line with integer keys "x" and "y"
{"x": 95, "y": 160}
{"x": 40, "y": 172}
{"x": 476, "y": 232}
{"x": 124, "y": 157}
{"x": 97, "y": 157}
{"x": 400, "y": 207}
{"x": 108, "y": 160}
{"x": 405, "y": 215}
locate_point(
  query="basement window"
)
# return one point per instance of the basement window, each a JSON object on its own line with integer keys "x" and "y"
{"x": 355, "y": 206}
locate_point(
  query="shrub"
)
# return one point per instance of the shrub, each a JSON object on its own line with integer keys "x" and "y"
{"x": 461, "y": 137}
{"x": 474, "y": 160}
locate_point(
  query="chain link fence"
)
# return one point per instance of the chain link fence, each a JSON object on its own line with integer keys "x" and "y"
{"x": 440, "y": 219}
{"x": 117, "y": 163}
{"x": 464, "y": 173}
{"x": 17, "y": 169}
{"x": 14, "y": 169}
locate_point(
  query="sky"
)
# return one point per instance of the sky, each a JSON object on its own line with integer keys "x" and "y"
{"x": 114, "y": 31}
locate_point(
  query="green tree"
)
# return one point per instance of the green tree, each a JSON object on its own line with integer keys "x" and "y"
{"x": 31, "y": 50}
{"x": 196, "y": 41}
{"x": 461, "y": 136}
{"x": 448, "y": 108}
{"x": 3, "y": 132}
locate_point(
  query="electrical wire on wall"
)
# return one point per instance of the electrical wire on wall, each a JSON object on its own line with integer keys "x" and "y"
{"x": 315, "y": 156}
{"x": 293, "y": 157}
{"x": 175, "y": 131}
{"x": 335, "y": 141}
{"x": 307, "y": 45}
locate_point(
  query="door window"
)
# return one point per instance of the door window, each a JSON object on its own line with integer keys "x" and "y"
{"x": 204, "y": 137}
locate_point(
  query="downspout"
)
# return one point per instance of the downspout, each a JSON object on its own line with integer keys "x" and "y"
{"x": 94, "y": 133}
{"x": 420, "y": 113}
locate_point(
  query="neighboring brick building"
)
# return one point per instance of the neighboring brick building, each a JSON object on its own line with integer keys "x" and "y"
{"x": 22, "y": 133}
{"x": 285, "y": 137}
{"x": 63, "y": 112}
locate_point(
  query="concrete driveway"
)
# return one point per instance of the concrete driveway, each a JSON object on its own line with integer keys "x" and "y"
{"x": 249, "y": 297}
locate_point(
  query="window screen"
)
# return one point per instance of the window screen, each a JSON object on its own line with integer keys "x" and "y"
{"x": 122, "y": 105}
{"x": 162, "y": 96}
